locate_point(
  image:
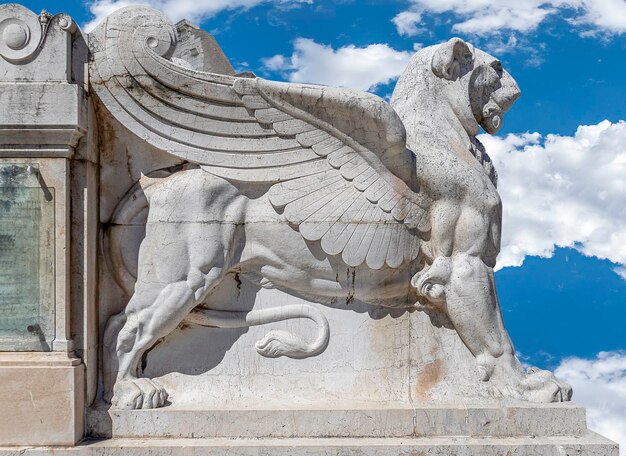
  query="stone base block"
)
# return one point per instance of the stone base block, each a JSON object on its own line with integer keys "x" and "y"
{"x": 41, "y": 399}
{"x": 401, "y": 420}
{"x": 589, "y": 444}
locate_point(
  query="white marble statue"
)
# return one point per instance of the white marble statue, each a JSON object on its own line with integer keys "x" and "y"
{"x": 321, "y": 192}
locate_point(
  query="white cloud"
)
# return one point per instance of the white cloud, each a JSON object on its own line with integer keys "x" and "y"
{"x": 193, "y": 10}
{"x": 605, "y": 15}
{"x": 277, "y": 63}
{"x": 620, "y": 271}
{"x": 600, "y": 385}
{"x": 406, "y": 23}
{"x": 501, "y": 44}
{"x": 349, "y": 66}
{"x": 565, "y": 191}
{"x": 485, "y": 17}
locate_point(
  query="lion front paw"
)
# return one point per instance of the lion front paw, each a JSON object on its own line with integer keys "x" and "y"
{"x": 542, "y": 386}
{"x": 138, "y": 393}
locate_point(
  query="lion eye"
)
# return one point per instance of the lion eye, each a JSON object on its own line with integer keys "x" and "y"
{"x": 496, "y": 65}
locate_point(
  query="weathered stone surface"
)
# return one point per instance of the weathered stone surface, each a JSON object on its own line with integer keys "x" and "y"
{"x": 389, "y": 420}
{"x": 36, "y": 48}
{"x": 589, "y": 445}
{"x": 39, "y": 96}
{"x": 41, "y": 399}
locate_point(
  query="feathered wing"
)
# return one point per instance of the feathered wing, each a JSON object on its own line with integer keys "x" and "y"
{"x": 336, "y": 158}
{"x": 353, "y": 203}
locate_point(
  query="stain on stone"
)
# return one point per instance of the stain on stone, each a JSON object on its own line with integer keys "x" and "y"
{"x": 427, "y": 378}
{"x": 237, "y": 280}
{"x": 184, "y": 325}
{"x": 350, "y": 280}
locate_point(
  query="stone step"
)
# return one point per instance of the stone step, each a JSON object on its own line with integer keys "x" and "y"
{"x": 589, "y": 444}
{"x": 398, "y": 421}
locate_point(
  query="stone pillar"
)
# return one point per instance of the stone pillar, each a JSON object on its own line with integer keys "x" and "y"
{"x": 46, "y": 180}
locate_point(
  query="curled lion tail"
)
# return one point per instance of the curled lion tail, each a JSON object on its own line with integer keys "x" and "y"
{"x": 276, "y": 343}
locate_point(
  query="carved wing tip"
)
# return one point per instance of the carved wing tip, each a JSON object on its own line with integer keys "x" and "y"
{"x": 246, "y": 86}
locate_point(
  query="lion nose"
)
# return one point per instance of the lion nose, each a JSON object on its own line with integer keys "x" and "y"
{"x": 514, "y": 89}
{"x": 509, "y": 91}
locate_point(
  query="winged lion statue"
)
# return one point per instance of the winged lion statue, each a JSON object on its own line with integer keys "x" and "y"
{"x": 289, "y": 184}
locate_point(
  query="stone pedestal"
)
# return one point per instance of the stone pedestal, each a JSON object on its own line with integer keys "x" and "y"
{"x": 43, "y": 121}
{"x": 42, "y": 399}
{"x": 421, "y": 429}
{"x": 589, "y": 445}
{"x": 417, "y": 420}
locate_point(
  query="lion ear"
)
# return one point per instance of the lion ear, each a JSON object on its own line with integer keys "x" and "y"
{"x": 449, "y": 57}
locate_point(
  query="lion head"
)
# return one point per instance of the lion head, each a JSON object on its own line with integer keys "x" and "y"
{"x": 454, "y": 84}
{"x": 490, "y": 90}
{"x": 473, "y": 84}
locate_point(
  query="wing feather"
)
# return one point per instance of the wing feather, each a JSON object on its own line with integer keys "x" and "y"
{"x": 365, "y": 179}
{"x": 424, "y": 223}
{"x": 192, "y": 83}
{"x": 339, "y": 157}
{"x": 395, "y": 256}
{"x": 325, "y": 147}
{"x": 196, "y": 123}
{"x": 269, "y": 174}
{"x": 407, "y": 246}
{"x": 316, "y": 226}
{"x": 401, "y": 209}
{"x": 302, "y": 208}
{"x": 180, "y": 102}
{"x": 377, "y": 190}
{"x": 292, "y": 127}
{"x": 377, "y": 255}
{"x": 416, "y": 248}
{"x": 254, "y": 102}
{"x": 414, "y": 217}
{"x": 292, "y": 190}
{"x": 353, "y": 168}
{"x": 388, "y": 201}
{"x": 335, "y": 240}
{"x": 271, "y": 115}
{"x": 357, "y": 246}
{"x": 311, "y": 138}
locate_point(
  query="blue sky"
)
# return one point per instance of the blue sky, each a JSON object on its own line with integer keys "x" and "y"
{"x": 562, "y": 281}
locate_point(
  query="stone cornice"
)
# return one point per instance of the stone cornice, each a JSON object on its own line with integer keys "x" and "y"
{"x": 43, "y": 112}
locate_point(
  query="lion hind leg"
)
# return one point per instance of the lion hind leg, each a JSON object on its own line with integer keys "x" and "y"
{"x": 151, "y": 314}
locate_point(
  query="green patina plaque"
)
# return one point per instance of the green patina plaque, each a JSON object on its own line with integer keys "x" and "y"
{"x": 26, "y": 259}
